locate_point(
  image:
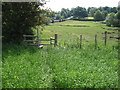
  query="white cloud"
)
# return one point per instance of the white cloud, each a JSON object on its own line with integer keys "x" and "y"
{"x": 56, "y": 5}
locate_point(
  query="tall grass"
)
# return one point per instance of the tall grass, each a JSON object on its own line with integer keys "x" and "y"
{"x": 58, "y": 67}
{"x": 68, "y": 66}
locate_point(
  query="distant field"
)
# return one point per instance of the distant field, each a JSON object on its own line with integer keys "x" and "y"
{"x": 89, "y": 18}
{"x": 69, "y": 31}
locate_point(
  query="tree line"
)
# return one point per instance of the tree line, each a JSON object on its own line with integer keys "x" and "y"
{"x": 109, "y": 14}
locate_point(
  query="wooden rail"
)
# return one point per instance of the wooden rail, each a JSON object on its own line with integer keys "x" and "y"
{"x": 29, "y": 36}
{"x": 38, "y": 40}
{"x": 39, "y": 44}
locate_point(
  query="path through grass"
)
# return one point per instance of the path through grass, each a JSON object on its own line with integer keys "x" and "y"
{"x": 63, "y": 67}
{"x": 25, "y": 67}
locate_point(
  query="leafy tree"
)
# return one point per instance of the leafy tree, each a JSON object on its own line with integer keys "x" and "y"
{"x": 116, "y": 23}
{"x": 114, "y": 9}
{"x": 108, "y": 9}
{"x": 49, "y": 16}
{"x": 72, "y": 11}
{"x": 80, "y": 12}
{"x": 118, "y": 15}
{"x": 101, "y": 8}
{"x": 58, "y": 17}
{"x": 18, "y": 18}
{"x": 92, "y": 11}
{"x": 110, "y": 19}
{"x": 113, "y": 19}
{"x": 117, "y": 19}
{"x": 98, "y": 15}
{"x": 105, "y": 13}
{"x": 65, "y": 13}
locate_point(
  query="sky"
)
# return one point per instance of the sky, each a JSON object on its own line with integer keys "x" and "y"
{"x": 57, "y": 5}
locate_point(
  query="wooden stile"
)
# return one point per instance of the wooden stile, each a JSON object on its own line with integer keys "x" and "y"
{"x": 38, "y": 40}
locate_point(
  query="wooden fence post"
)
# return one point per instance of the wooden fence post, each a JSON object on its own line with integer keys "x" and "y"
{"x": 55, "y": 43}
{"x": 38, "y": 36}
{"x": 51, "y": 41}
{"x": 80, "y": 41}
{"x": 24, "y": 37}
{"x": 105, "y": 38}
{"x": 95, "y": 41}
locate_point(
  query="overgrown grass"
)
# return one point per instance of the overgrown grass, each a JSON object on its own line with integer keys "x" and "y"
{"x": 67, "y": 65}
{"x": 57, "y": 67}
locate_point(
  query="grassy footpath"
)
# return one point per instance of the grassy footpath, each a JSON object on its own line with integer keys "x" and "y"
{"x": 49, "y": 67}
{"x": 63, "y": 67}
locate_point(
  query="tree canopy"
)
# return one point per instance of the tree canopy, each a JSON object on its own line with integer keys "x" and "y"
{"x": 79, "y": 12}
{"x": 98, "y": 15}
{"x": 113, "y": 19}
{"x": 18, "y": 18}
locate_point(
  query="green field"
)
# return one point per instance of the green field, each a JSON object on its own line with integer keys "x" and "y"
{"x": 68, "y": 66}
{"x": 69, "y": 31}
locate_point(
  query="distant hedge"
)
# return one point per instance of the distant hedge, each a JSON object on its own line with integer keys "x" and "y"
{"x": 82, "y": 19}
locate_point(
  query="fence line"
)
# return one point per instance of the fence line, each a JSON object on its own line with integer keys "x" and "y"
{"x": 95, "y": 39}
{"x": 55, "y": 39}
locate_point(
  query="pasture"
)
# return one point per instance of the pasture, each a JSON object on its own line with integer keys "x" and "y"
{"x": 68, "y": 66}
{"x": 70, "y": 31}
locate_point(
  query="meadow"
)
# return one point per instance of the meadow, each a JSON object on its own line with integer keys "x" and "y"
{"x": 64, "y": 66}
{"x": 69, "y": 31}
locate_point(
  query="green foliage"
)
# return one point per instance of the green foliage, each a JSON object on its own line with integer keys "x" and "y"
{"x": 47, "y": 20}
{"x": 58, "y": 16}
{"x": 79, "y": 12}
{"x": 65, "y": 13}
{"x": 113, "y": 19}
{"x": 98, "y": 15}
{"x": 91, "y": 11}
{"x": 108, "y": 9}
{"x": 63, "y": 67}
{"x": 18, "y": 18}
{"x": 114, "y": 9}
{"x": 105, "y": 13}
{"x": 105, "y": 10}
{"x": 70, "y": 67}
{"x": 118, "y": 15}
{"x": 110, "y": 18}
